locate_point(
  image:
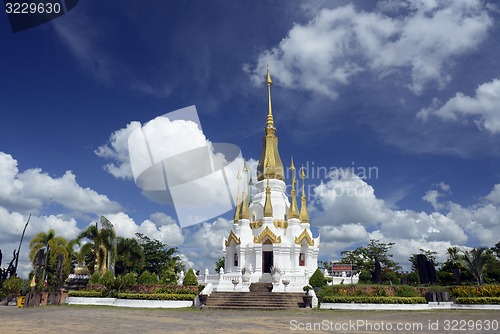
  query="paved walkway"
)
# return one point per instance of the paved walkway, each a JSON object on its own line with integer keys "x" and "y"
{"x": 104, "y": 319}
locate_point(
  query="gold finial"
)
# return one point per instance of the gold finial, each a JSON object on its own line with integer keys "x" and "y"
{"x": 270, "y": 143}
{"x": 269, "y": 82}
{"x": 238, "y": 200}
{"x": 293, "y": 211}
{"x": 268, "y": 207}
{"x": 244, "y": 214}
{"x": 250, "y": 185}
{"x": 304, "y": 215}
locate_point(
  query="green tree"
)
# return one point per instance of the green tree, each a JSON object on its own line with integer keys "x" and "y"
{"x": 474, "y": 261}
{"x": 496, "y": 249}
{"x": 220, "y": 263}
{"x": 317, "y": 279}
{"x": 53, "y": 246}
{"x": 158, "y": 256}
{"x": 190, "y": 278}
{"x": 129, "y": 256}
{"x": 100, "y": 245}
{"x": 364, "y": 257}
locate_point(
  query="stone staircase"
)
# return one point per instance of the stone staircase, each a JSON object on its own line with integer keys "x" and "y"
{"x": 260, "y": 297}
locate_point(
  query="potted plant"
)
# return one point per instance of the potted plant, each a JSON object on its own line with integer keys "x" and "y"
{"x": 276, "y": 273}
{"x": 246, "y": 273}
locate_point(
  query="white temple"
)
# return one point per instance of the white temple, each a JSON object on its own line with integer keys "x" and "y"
{"x": 271, "y": 240}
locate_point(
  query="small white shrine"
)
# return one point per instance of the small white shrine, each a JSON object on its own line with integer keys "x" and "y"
{"x": 271, "y": 239}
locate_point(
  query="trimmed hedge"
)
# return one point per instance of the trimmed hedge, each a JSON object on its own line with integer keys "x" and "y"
{"x": 85, "y": 293}
{"x": 374, "y": 300}
{"x": 182, "y": 290}
{"x": 156, "y": 296}
{"x": 479, "y": 300}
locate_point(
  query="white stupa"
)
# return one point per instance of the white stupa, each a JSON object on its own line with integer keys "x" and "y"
{"x": 270, "y": 241}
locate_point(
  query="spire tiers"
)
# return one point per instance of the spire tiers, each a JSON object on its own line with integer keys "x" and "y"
{"x": 238, "y": 201}
{"x": 268, "y": 207}
{"x": 270, "y": 154}
{"x": 244, "y": 214}
{"x": 250, "y": 185}
{"x": 293, "y": 211}
{"x": 304, "y": 215}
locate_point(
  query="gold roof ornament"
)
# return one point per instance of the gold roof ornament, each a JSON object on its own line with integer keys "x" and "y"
{"x": 267, "y": 233}
{"x": 232, "y": 237}
{"x": 293, "y": 211}
{"x": 268, "y": 207}
{"x": 244, "y": 214}
{"x": 302, "y": 236}
{"x": 238, "y": 200}
{"x": 304, "y": 215}
{"x": 250, "y": 186}
{"x": 270, "y": 155}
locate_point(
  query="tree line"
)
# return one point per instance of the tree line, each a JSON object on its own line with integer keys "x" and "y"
{"x": 375, "y": 264}
{"x": 91, "y": 248}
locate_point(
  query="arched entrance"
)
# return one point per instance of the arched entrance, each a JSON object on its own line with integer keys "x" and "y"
{"x": 267, "y": 256}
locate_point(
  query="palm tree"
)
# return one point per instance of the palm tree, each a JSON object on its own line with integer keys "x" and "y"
{"x": 53, "y": 247}
{"x": 129, "y": 255}
{"x": 100, "y": 248}
{"x": 475, "y": 261}
{"x": 453, "y": 257}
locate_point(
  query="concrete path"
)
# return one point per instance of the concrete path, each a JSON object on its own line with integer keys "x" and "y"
{"x": 105, "y": 319}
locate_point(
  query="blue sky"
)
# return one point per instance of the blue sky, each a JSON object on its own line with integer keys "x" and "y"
{"x": 409, "y": 87}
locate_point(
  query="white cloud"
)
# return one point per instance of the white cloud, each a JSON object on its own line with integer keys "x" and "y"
{"x": 348, "y": 214}
{"x": 337, "y": 44}
{"x": 32, "y": 189}
{"x": 482, "y": 108}
{"x": 160, "y": 227}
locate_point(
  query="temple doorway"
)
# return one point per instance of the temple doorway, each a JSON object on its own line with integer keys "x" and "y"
{"x": 267, "y": 261}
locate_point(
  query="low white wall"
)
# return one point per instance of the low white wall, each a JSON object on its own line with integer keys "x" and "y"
{"x": 403, "y": 307}
{"x": 139, "y": 303}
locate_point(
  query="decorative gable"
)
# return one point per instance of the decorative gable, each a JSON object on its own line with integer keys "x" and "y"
{"x": 232, "y": 237}
{"x": 302, "y": 236}
{"x": 267, "y": 233}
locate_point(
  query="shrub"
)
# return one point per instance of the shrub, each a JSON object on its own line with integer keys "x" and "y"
{"x": 413, "y": 278}
{"x": 147, "y": 278}
{"x": 95, "y": 278}
{"x": 406, "y": 291}
{"x": 190, "y": 278}
{"x": 168, "y": 276}
{"x": 129, "y": 279}
{"x": 391, "y": 277}
{"x": 374, "y": 300}
{"x": 365, "y": 277}
{"x": 85, "y": 293}
{"x": 108, "y": 279}
{"x": 157, "y": 296}
{"x": 13, "y": 285}
{"x": 479, "y": 300}
{"x": 317, "y": 279}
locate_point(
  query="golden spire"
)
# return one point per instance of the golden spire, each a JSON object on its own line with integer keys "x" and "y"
{"x": 244, "y": 214}
{"x": 268, "y": 207}
{"x": 293, "y": 212}
{"x": 238, "y": 199}
{"x": 304, "y": 216}
{"x": 250, "y": 185}
{"x": 270, "y": 155}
